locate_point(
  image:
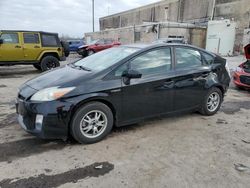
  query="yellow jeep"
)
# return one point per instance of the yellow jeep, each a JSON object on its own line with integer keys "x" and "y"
{"x": 42, "y": 49}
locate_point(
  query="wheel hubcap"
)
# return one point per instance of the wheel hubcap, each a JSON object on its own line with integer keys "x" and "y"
{"x": 213, "y": 101}
{"x": 51, "y": 65}
{"x": 93, "y": 124}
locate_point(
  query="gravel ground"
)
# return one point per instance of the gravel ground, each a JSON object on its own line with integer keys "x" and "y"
{"x": 188, "y": 150}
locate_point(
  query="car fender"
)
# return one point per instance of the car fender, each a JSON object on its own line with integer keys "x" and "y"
{"x": 80, "y": 100}
{"x": 48, "y": 52}
{"x": 213, "y": 81}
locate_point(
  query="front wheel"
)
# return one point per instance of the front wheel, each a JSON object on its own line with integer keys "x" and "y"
{"x": 90, "y": 52}
{"x": 91, "y": 123}
{"x": 212, "y": 102}
{"x": 49, "y": 62}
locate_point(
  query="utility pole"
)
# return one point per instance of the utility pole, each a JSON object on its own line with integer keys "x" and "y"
{"x": 93, "y": 14}
{"x": 213, "y": 7}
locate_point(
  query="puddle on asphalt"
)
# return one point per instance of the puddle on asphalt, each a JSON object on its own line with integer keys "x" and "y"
{"x": 49, "y": 181}
{"x": 231, "y": 107}
{"x": 9, "y": 120}
{"x": 23, "y": 148}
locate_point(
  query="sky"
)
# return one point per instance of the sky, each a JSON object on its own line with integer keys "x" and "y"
{"x": 66, "y": 17}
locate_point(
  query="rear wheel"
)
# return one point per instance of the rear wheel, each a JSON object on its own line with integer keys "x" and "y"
{"x": 37, "y": 66}
{"x": 212, "y": 102}
{"x": 49, "y": 62}
{"x": 91, "y": 123}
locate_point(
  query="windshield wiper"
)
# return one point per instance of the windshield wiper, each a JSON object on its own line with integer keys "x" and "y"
{"x": 79, "y": 66}
{"x": 83, "y": 68}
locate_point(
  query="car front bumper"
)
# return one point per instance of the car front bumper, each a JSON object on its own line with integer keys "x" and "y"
{"x": 48, "y": 120}
{"x": 82, "y": 52}
{"x": 241, "y": 80}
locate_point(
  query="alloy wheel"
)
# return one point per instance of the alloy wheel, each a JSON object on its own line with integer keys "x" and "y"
{"x": 93, "y": 124}
{"x": 213, "y": 101}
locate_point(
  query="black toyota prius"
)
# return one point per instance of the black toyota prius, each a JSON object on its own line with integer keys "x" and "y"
{"x": 120, "y": 86}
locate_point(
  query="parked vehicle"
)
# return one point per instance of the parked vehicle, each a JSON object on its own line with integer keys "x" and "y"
{"x": 121, "y": 86}
{"x": 75, "y": 44}
{"x": 171, "y": 40}
{"x": 96, "y": 46}
{"x": 42, "y": 49}
{"x": 241, "y": 76}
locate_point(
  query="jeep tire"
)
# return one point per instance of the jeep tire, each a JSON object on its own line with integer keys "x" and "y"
{"x": 49, "y": 62}
{"x": 37, "y": 66}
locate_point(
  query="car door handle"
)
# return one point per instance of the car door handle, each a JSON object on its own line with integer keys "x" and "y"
{"x": 17, "y": 46}
{"x": 36, "y": 46}
{"x": 169, "y": 82}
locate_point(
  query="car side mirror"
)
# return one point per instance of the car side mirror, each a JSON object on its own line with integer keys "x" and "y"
{"x": 131, "y": 74}
{"x": 1, "y": 41}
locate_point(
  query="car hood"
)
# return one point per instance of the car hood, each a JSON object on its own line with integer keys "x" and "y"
{"x": 247, "y": 51}
{"x": 83, "y": 46}
{"x": 62, "y": 77}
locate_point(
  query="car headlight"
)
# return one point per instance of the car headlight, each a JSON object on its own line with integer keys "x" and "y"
{"x": 50, "y": 94}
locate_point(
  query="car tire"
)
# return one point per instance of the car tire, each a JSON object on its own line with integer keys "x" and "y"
{"x": 37, "y": 66}
{"x": 212, "y": 102}
{"x": 49, "y": 62}
{"x": 91, "y": 123}
{"x": 91, "y": 52}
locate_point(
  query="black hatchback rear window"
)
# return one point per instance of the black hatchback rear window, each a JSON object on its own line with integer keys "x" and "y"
{"x": 49, "y": 40}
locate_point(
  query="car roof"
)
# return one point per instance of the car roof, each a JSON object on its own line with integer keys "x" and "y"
{"x": 148, "y": 46}
{"x": 28, "y": 31}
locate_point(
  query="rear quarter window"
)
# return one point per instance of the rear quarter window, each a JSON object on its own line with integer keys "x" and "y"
{"x": 207, "y": 59}
{"x": 50, "y": 40}
{"x": 187, "y": 58}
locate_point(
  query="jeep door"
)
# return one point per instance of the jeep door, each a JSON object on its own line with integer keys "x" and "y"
{"x": 11, "y": 48}
{"x": 31, "y": 46}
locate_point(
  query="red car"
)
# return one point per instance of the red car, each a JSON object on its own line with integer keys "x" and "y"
{"x": 241, "y": 76}
{"x": 96, "y": 46}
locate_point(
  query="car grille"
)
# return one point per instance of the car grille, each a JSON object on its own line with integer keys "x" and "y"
{"x": 245, "y": 79}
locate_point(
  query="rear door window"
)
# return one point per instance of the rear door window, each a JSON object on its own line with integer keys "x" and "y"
{"x": 49, "y": 40}
{"x": 187, "y": 57}
{"x": 31, "y": 38}
{"x": 10, "y": 38}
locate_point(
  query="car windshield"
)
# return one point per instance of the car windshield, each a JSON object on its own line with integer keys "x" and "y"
{"x": 105, "y": 58}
